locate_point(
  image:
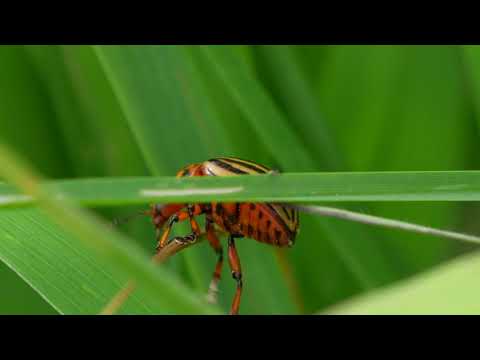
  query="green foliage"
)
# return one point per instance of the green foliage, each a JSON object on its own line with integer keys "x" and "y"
{"x": 142, "y": 111}
{"x": 298, "y": 187}
{"x": 446, "y": 290}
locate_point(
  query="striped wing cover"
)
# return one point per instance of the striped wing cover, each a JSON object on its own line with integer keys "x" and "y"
{"x": 228, "y": 166}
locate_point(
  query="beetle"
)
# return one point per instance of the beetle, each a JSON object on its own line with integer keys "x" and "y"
{"x": 268, "y": 223}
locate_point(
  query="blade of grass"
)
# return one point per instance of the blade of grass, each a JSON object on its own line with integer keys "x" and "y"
{"x": 450, "y": 288}
{"x": 152, "y": 96}
{"x": 103, "y": 114}
{"x": 381, "y": 102}
{"x": 259, "y": 108}
{"x": 279, "y": 68}
{"x": 26, "y": 124}
{"x": 295, "y": 187}
{"x": 111, "y": 251}
{"x": 25, "y": 115}
{"x": 79, "y": 140}
{"x": 116, "y": 150}
{"x": 226, "y": 109}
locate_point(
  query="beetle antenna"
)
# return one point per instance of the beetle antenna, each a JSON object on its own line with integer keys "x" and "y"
{"x": 120, "y": 221}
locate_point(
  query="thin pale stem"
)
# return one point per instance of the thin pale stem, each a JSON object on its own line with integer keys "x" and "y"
{"x": 384, "y": 222}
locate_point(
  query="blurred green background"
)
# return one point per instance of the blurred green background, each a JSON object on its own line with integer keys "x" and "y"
{"x": 81, "y": 111}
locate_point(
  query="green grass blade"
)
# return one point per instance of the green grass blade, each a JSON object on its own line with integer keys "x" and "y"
{"x": 279, "y": 68}
{"x": 259, "y": 108}
{"x": 401, "y": 108}
{"x": 103, "y": 114}
{"x": 26, "y": 117}
{"x": 157, "y": 102}
{"x": 304, "y": 188}
{"x": 450, "y": 288}
{"x": 226, "y": 109}
{"x": 26, "y": 124}
{"x": 96, "y": 251}
{"x": 470, "y": 60}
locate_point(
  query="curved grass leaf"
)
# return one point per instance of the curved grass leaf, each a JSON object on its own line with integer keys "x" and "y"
{"x": 78, "y": 269}
{"x": 444, "y": 289}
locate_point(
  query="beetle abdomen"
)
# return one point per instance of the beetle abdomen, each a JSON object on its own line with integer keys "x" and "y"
{"x": 259, "y": 221}
{"x": 264, "y": 223}
{"x": 269, "y": 223}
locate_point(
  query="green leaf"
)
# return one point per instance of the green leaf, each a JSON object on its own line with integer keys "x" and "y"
{"x": 259, "y": 108}
{"x": 400, "y": 108}
{"x": 26, "y": 124}
{"x": 102, "y": 114}
{"x": 445, "y": 289}
{"x": 78, "y": 269}
{"x": 294, "y": 187}
{"x": 279, "y": 68}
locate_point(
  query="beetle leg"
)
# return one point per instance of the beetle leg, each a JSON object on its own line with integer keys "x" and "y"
{"x": 215, "y": 244}
{"x": 194, "y": 210}
{"x": 161, "y": 214}
{"x": 162, "y": 241}
{"x": 234, "y": 261}
{"x": 181, "y": 216}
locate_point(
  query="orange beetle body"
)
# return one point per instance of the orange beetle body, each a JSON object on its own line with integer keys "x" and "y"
{"x": 269, "y": 223}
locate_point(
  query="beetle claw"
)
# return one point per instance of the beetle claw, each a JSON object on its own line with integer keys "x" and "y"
{"x": 185, "y": 239}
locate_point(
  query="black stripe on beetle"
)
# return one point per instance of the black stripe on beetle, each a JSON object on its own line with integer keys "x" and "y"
{"x": 280, "y": 219}
{"x": 227, "y": 166}
{"x": 287, "y": 214}
{"x": 246, "y": 164}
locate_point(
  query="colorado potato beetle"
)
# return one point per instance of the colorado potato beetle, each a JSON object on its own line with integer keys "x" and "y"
{"x": 269, "y": 223}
